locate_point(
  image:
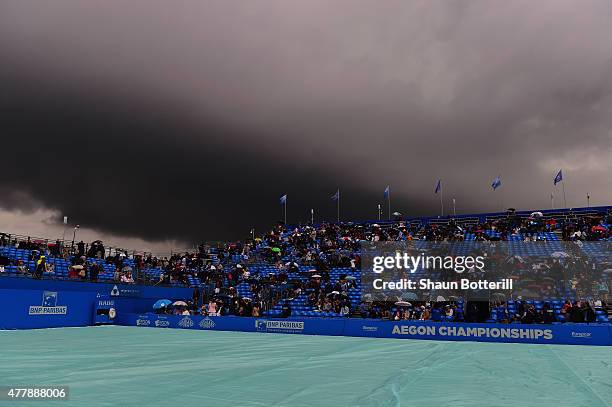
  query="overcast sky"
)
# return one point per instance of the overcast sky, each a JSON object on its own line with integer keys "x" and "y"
{"x": 180, "y": 122}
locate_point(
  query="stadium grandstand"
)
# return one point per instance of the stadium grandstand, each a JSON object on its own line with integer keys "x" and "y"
{"x": 315, "y": 270}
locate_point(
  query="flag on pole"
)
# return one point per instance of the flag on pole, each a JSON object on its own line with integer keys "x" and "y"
{"x": 283, "y": 199}
{"x": 336, "y": 196}
{"x": 558, "y": 178}
{"x": 387, "y": 190}
{"x": 496, "y": 183}
{"x": 438, "y": 186}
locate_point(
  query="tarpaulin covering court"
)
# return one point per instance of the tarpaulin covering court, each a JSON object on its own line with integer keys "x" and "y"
{"x": 130, "y": 366}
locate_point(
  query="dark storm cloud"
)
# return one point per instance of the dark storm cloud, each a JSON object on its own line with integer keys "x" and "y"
{"x": 189, "y": 121}
{"x": 125, "y": 171}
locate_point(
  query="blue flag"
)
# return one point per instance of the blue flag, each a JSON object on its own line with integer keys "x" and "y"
{"x": 438, "y": 186}
{"x": 496, "y": 183}
{"x": 387, "y": 191}
{"x": 336, "y": 196}
{"x": 283, "y": 199}
{"x": 559, "y": 177}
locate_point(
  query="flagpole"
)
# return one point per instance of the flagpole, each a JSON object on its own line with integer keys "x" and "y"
{"x": 588, "y": 200}
{"x": 285, "y": 212}
{"x": 552, "y": 201}
{"x": 389, "y": 204}
{"x": 312, "y": 216}
{"x": 563, "y": 187}
{"x": 379, "y": 211}
{"x": 338, "y": 206}
{"x": 454, "y": 208}
{"x": 441, "y": 201}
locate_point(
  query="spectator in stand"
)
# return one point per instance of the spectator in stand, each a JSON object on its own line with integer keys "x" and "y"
{"x": 286, "y": 310}
{"x": 589, "y": 313}
{"x": 212, "y": 308}
{"x": 127, "y": 278}
{"x": 195, "y": 296}
{"x": 21, "y": 267}
{"x": 80, "y": 249}
{"x": 94, "y": 271}
{"x": 548, "y": 314}
{"x": 576, "y": 312}
{"x": 530, "y": 316}
{"x": 41, "y": 267}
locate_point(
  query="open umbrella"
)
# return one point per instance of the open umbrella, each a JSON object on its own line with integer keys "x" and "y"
{"x": 409, "y": 295}
{"x": 559, "y": 254}
{"x": 351, "y": 278}
{"x": 161, "y": 304}
{"x": 179, "y": 303}
{"x": 316, "y": 276}
{"x": 537, "y": 214}
{"x": 403, "y": 304}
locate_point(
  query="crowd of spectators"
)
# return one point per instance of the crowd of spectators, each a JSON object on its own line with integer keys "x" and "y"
{"x": 220, "y": 268}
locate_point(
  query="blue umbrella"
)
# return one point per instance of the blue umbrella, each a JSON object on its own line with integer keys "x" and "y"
{"x": 161, "y": 304}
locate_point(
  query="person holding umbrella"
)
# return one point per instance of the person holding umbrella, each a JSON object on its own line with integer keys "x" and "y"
{"x": 161, "y": 306}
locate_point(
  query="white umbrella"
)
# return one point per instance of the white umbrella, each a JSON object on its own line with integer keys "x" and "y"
{"x": 351, "y": 278}
{"x": 403, "y": 304}
{"x": 559, "y": 254}
{"x": 316, "y": 276}
{"x": 537, "y": 214}
{"x": 179, "y": 303}
{"x": 409, "y": 295}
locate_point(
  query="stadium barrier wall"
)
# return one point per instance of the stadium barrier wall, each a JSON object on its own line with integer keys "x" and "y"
{"x": 571, "y": 334}
{"x": 27, "y": 303}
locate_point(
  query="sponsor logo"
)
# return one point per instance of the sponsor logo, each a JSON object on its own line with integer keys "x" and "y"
{"x": 263, "y": 325}
{"x": 106, "y": 303}
{"x": 366, "y": 328}
{"x": 162, "y": 323}
{"x": 474, "y": 332}
{"x": 207, "y": 323}
{"x": 260, "y": 325}
{"x": 49, "y": 305}
{"x": 126, "y": 292}
{"x": 581, "y": 334}
{"x": 143, "y": 322}
{"x": 186, "y": 322}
